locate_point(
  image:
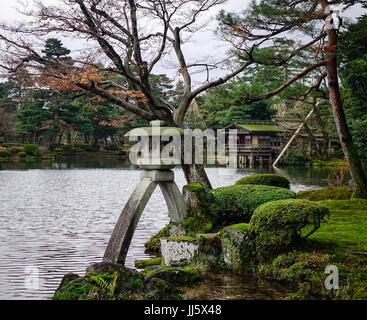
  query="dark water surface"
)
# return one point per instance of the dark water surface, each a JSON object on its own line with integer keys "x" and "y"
{"x": 57, "y": 218}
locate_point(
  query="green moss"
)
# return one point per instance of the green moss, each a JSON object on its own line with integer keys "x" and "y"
{"x": 176, "y": 275}
{"x": 274, "y": 180}
{"x": 154, "y": 243}
{"x": 329, "y": 193}
{"x": 305, "y": 272}
{"x": 341, "y": 242}
{"x": 346, "y": 227}
{"x": 260, "y": 127}
{"x": 236, "y": 204}
{"x": 90, "y": 287}
{"x": 148, "y": 262}
{"x": 183, "y": 238}
{"x": 279, "y": 225}
{"x": 239, "y": 226}
{"x": 193, "y": 187}
{"x": 197, "y": 224}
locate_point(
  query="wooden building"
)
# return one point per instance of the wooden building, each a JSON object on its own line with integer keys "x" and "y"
{"x": 257, "y": 141}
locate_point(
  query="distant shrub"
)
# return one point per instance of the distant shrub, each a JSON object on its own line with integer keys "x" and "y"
{"x": 5, "y": 154}
{"x": 274, "y": 180}
{"x": 294, "y": 157}
{"x": 22, "y": 154}
{"x": 329, "y": 193}
{"x": 235, "y": 204}
{"x": 30, "y": 148}
{"x": 277, "y": 226}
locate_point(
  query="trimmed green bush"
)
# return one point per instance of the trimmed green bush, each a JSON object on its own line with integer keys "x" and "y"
{"x": 5, "y": 154}
{"x": 277, "y": 226}
{"x": 30, "y": 148}
{"x": 235, "y": 204}
{"x": 22, "y": 154}
{"x": 329, "y": 193}
{"x": 274, "y": 180}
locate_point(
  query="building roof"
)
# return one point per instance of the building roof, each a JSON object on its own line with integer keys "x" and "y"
{"x": 257, "y": 126}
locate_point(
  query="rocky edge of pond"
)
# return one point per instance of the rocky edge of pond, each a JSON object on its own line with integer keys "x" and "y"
{"x": 258, "y": 227}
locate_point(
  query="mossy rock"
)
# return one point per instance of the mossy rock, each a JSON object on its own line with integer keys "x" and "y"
{"x": 236, "y": 204}
{"x": 176, "y": 275}
{"x": 112, "y": 281}
{"x": 329, "y": 193}
{"x": 141, "y": 264}
{"x": 277, "y": 226}
{"x": 154, "y": 243}
{"x": 182, "y": 238}
{"x": 239, "y": 226}
{"x": 236, "y": 246}
{"x": 274, "y": 180}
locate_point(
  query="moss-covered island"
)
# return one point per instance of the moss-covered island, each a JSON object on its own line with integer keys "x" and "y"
{"x": 247, "y": 229}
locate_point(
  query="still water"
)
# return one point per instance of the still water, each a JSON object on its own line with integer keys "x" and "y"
{"x": 57, "y": 217}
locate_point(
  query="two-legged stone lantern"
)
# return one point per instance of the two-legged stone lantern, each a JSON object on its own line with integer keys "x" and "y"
{"x": 156, "y": 171}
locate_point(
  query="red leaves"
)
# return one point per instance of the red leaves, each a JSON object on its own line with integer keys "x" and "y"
{"x": 326, "y": 49}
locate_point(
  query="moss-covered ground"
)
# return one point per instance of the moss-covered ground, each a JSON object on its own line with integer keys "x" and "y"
{"x": 346, "y": 229}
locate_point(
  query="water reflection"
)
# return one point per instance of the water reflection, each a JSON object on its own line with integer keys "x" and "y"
{"x": 58, "y": 216}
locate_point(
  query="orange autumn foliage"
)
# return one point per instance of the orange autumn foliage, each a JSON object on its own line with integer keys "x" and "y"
{"x": 68, "y": 79}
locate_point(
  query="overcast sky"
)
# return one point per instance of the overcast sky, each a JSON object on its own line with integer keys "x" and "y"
{"x": 203, "y": 44}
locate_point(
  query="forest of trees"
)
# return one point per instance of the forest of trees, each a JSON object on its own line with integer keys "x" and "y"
{"x": 50, "y": 94}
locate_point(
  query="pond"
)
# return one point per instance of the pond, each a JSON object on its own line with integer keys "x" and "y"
{"x": 57, "y": 217}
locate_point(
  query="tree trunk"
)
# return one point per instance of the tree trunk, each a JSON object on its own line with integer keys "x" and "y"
{"x": 325, "y": 135}
{"x": 196, "y": 173}
{"x": 295, "y": 135}
{"x": 350, "y": 151}
{"x": 86, "y": 138}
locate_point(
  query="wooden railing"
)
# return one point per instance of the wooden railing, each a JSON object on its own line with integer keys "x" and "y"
{"x": 254, "y": 148}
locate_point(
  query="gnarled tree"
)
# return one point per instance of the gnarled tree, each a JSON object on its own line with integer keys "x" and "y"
{"x": 130, "y": 38}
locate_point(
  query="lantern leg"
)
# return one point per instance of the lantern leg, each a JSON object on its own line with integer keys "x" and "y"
{"x": 123, "y": 232}
{"x": 177, "y": 209}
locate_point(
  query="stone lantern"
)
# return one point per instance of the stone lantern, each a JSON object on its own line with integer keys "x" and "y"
{"x": 156, "y": 165}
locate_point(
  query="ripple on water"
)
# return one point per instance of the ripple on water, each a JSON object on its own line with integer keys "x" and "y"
{"x": 60, "y": 221}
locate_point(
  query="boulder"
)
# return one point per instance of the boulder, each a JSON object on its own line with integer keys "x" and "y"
{"x": 233, "y": 242}
{"x": 178, "y": 250}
